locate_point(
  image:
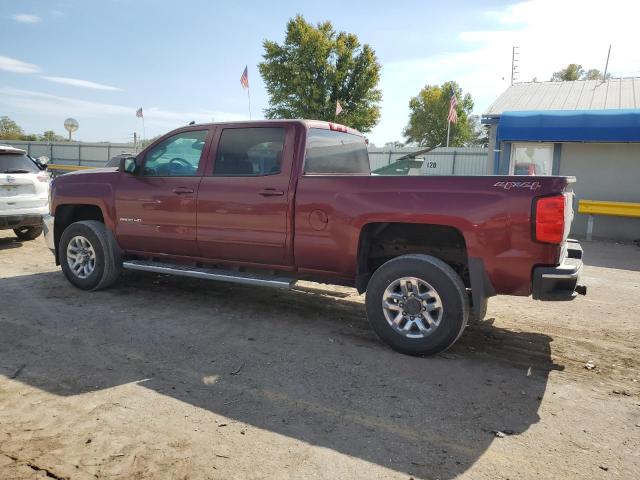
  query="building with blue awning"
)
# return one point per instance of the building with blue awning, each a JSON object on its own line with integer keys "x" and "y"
{"x": 587, "y": 129}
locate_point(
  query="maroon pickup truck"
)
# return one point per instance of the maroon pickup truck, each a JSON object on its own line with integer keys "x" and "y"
{"x": 272, "y": 202}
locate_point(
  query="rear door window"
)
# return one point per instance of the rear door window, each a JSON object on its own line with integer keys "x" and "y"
{"x": 329, "y": 151}
{"x": 249, "y": 152}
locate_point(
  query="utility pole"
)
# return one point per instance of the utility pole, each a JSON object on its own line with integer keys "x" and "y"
{"x": 515, "y": 52}
{"x": 606, "y": 67}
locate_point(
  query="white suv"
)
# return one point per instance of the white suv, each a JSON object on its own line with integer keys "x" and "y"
{"x": 24, "y": 193}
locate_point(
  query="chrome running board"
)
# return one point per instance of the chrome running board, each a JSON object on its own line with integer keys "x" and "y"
{"x": 210, "y": 274}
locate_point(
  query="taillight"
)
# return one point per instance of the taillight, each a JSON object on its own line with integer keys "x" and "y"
{"x": 550, "y": 218}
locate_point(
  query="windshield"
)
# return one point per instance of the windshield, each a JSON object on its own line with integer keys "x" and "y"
{"x": 17, "y": 163}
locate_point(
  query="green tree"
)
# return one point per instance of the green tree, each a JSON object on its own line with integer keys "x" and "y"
{"x": 10, "y": 130}
{"x": 314, "y": 68}
{"x": 480, "y": 135}
{"x": 51, "y": 136}
{"x": 428, "y": 118}
{"x": 595, "y": 74}
{"x": 573, "y": 72}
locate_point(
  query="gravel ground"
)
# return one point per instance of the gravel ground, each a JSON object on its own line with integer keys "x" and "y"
{"x": 164, "y": 377}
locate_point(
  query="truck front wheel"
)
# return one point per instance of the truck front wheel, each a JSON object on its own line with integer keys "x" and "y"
{"x": 89, "y": 255}
{"x": 417, "y": 304}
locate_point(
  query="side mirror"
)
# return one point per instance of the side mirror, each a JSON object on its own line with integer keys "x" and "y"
{"x": 43, "y": 159}
{"x": 128, "y": 165}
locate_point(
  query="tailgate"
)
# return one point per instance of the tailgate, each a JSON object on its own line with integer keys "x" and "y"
{"x": 12, "y": 185}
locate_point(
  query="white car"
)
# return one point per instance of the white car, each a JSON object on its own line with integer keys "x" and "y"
{"x": 24, "y": 192}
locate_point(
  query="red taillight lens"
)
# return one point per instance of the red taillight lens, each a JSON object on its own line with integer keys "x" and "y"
{"x": 550, "y": 219}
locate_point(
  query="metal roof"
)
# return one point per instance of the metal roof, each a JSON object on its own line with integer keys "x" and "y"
{"x": 615, "y": 93}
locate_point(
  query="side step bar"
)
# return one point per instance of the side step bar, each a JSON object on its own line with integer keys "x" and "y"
{"x": 211, "y": 274}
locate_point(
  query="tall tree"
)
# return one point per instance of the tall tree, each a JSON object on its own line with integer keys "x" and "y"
{"x": 314, "y": 68}
{"x": 428, "y": 117}
{"x": 10, "y": 130}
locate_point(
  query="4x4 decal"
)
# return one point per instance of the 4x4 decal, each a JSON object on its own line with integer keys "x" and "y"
{"x": 510, "y": 185}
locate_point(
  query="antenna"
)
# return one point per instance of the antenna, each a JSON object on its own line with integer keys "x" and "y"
{"x": 606, "y": 67}
{"x": 71, "y": 125}
{"x": 515, "y": 52}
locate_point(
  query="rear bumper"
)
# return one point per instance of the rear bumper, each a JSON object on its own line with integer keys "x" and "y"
{"x": 18, "y": 221}
{"x": 563, "y": 281}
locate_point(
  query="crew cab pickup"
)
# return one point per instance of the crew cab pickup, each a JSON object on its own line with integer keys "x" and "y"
{"x": 269, "y": 203}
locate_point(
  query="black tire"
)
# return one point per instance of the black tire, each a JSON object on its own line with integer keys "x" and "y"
{"x": 444, "y": 280}
{"x": 473, "y": 320}
{"x": 28, "y": 233}
{"x": 108, "y": 260}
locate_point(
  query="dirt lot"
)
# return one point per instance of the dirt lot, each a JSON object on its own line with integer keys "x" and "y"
{"x": 164, "y": 377}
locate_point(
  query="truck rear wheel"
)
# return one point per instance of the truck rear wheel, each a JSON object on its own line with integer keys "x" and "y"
{"x": 89, "y": 255}
{"x": 417, "y": 304}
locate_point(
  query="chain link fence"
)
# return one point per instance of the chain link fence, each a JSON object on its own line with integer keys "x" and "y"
{"x": 73, "y": 153}
{"x": 441, "y": 161}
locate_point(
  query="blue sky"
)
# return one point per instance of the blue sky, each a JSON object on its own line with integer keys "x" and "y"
{"x": 98, "y": 61}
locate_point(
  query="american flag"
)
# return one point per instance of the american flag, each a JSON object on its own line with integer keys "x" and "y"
{"x": 139, "y": 113}
{"x": 244, "y": 79}
{"x": 453, "y": 114}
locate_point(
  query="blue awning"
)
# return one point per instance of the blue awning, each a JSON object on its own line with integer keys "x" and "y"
{"x": 570, "y": 126}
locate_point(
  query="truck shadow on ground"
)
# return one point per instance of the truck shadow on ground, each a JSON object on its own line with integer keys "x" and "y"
{"x": 9, "y": 242}
{"x": 301, "y": 364}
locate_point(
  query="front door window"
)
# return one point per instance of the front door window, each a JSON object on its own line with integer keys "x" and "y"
{"x": 177, "y": 156}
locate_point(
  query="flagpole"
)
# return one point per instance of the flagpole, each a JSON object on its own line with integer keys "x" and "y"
{"x": 144, "y": 133}
{"x": 448, "y": 131}
{"x": 249, "y": 97}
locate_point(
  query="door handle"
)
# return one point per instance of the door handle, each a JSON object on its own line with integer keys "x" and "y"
{"x": 182, "y": 190}
{"x": 271, "y": 192}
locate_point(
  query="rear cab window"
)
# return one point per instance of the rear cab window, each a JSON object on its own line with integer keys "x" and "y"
{"x": 333, "y": 152}
{"x": 17, "y": 163}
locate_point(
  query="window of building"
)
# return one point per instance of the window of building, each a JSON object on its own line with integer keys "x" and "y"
{"x": 531, "y": 159}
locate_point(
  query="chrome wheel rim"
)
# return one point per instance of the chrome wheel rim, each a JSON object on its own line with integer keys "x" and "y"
{"x": 412, "y": 307}
{"x": 81, "y": 257}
